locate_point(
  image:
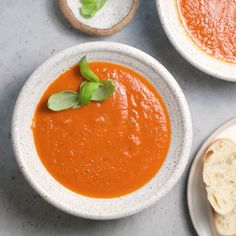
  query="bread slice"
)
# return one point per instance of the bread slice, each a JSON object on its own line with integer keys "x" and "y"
{"x": 226, "y": 225}
{"x": 219, "y": 175}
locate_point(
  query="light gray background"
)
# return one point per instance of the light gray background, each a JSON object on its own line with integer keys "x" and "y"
{"x": 33, "y": 30}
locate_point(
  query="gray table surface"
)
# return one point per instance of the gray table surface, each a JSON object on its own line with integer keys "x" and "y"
{"x": 30, "y": 32}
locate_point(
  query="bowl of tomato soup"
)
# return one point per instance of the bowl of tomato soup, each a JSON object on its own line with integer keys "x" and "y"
{"x": 107, "y": 159}
{"x": 203, "y": 32}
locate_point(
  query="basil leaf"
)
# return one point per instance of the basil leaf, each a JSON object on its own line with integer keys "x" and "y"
{"x": 63, "y": 100}
{"x": 89, "y": 10}
{"x": 86, "y": 91}
{"x": 90, "y": 7}
{"x": 81, "y": 85}
{"x": 86, "y": 72}
{"x": 88, "y": 1}
{"x": 104, "y": 91}
{"x": 100, "y": 4}
{"x": 77, "y": 105}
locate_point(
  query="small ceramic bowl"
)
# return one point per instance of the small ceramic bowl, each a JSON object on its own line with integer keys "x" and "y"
{"x": 171, "y": 22}
{"x": 113, "y": 17}
{"x": 71, "y": 202}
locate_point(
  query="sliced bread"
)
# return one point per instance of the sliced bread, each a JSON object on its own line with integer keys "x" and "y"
{"x": 226, "y": 225}
{"x": 219, "y": 175}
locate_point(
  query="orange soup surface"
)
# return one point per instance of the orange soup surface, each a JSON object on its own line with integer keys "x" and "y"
{"x": 212, "y": 25}
{"x": 106, "y": 149}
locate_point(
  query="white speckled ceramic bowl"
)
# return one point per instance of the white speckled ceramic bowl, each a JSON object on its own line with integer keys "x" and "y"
{"x": 171, "y": 22}
{"x": 71, "y": 202}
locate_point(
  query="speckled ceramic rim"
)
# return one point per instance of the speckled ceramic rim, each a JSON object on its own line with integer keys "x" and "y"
{"x": 171, "y": 22}
{"x": 125, "y": 205}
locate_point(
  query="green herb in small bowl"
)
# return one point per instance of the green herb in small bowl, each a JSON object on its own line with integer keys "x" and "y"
{"x": 90, "y": 7}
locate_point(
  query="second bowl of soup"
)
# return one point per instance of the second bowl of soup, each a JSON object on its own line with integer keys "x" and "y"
{"x": 203, "y": 32}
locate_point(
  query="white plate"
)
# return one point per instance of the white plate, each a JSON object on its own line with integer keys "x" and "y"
{"x": 199, "y": 207}
{"x": 169, "y": 16}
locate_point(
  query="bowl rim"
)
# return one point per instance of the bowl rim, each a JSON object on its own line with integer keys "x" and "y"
{"x": 190, "y": 57}
{"x": 187, "y": 124}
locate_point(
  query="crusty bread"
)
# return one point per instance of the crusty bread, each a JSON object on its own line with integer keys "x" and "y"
{"x": 219, "y": 175}
{"x": 226, "y": 225}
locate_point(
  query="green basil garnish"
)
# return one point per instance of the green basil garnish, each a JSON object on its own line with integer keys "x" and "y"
{"x": 90, "y": 7}
{"x": 86, "y": 72}
{"x": 92, "y": 89}
{"x": 104, "y": 91}
{"x": 63, "y": 100}
{"x": 86, "y": 92}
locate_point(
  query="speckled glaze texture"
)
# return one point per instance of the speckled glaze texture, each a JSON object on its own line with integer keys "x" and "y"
{"x": 171, "y": 22}
{"x": 71, "y": 202}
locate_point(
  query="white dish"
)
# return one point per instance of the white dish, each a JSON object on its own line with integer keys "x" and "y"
{"x": 199, "y": 207}
{"x": 171, "y": 22}
{"x": 111, "y": 14}
{"x": 111, "y": 18}
{"x": 79, "y": 205}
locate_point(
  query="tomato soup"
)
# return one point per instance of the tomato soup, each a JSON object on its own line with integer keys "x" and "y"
{"x": 106, "y": 149}
{"x": 212, "y": 26}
